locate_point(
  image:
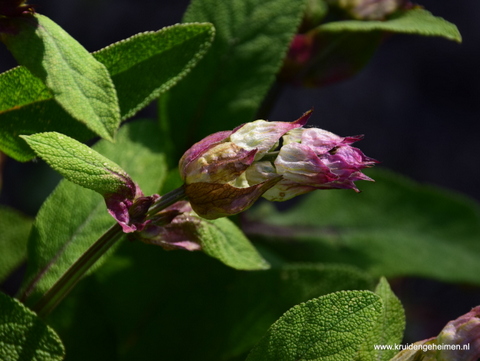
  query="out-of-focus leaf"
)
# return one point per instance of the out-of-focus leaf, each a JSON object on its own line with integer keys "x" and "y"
{"x": 395, "y": 227}
{"x": 414, "y": 21}
{"x": 13, "y": 240}
{"x": 229, "y": 84}
{"x": 330, "y": 327}
{"x": 73, "y": 218}
{"x": 142, "y": 67}
{"x": 78, "y": 82}
{"x": 24, "y": 337}
{"x": 388, "y": 330}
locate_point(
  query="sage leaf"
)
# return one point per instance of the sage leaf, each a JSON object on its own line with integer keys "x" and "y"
{"x": 229, "y": 84}
{"x": 79, "y": 83}
{"x": 24, "y": 337}
{"x": 330, "y": 327}
{"x": 80, "y": 164}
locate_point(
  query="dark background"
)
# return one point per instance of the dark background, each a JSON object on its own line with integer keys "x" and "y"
{"x": 417, "y": 103}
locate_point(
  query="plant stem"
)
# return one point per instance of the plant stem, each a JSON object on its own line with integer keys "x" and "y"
{"x": 69, "y": 279}
{"x": 72, "y": 276}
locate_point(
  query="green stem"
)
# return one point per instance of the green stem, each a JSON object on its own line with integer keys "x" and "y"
{"x": 72, "y": 276}
{"x": 69, "y": 279}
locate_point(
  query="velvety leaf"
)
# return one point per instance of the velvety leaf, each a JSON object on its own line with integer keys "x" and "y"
{"x": 222, "y": 312}
{"x": 395, "y": 227}
{"x": 414, "y": 21}
{"x": 79, "y": 163}
{"x": 331, "y": 327}
{"x": 13, "y": 240}
{"x": 79, "y": 83}
{"x": 142, "y": 67}
{"x": 388, "y": 329}
{"x": 229, "y": 84}
{"x": 73, "y": 218}
{"x": 24, "y": 337}
{"x": 260, "y": 298}
{"x": 223, "y": 240}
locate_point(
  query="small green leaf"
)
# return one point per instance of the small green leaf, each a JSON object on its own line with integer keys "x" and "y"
{"x": 79, "y": 163}
{"x": 414, "y": 21}
{"x": 221, "y": 239}
{"x": 78, "y": 82}
{"x": 229, "y": 84}
{"x": 13, "y": 240}
{"x": 73, "y": 218}
{"x": 24, "y": 337}
{"x": 388, "y": 329}
{"x": 395, "y": 227}
{"x": 142, "y": 67}
{"x": 331, "y": 327}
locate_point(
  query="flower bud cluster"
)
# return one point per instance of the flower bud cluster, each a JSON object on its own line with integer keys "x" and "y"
{"x": 226, "y": 172}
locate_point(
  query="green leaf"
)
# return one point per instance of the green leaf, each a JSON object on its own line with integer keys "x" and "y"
{"x": 222, "y": 312}
{"x": 260, "y": 298}
{"x": 229, "y": 84}
{"x": 388, "y": 329}
{"x": 79, "y": 163}
{"x": 142, "y": 67}
{"x": 79, "y": 83}
{"x": 13, "y": 240}
{"x": 414, "y": 21}
{"x": 395, "y": 227}
{"x": 331, "y": 327}
{"x": 223, "y": 240}
{"x": 73, "y": 218}
{"x": 24, "y": 337}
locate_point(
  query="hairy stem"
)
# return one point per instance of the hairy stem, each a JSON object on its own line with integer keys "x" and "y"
{"x": 72, "y": 276}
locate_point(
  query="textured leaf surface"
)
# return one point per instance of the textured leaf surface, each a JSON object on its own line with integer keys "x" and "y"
{"x": 78, "y": 82}
{"x": 222, "y": 312}
{"x": 79, "y": 163}
{"x": 142, "y": 67}
{"x": 331, "y": 327}
{"x": 223, "y": 240}
{"x": 228, "y": 85}
{"x": 388, "y": 329}
{"x": 415, "y": 21}
{"x": 73, "y": 218}
{"x": 24, "y": 337}
{"x": 13, "y": 240}
{"x": 395, "y": 227}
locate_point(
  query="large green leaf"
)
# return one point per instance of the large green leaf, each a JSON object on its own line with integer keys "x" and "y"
{"x": 388, "y": 330}
{"x": 415, "y": 21}
{"x": 73, "y": 218}
{"x": 151, "y": 302}
{"x": 79, "y": 83}
{"x": 13, "y": 240}
{"x": 79, "y": 163}
{"x": 228, "y": 85}
{"x": 331, "y": 328}
{"x": 24, "y": 337}
{"x": 223, "y": 240}
{"x": 395, "y": 227}
{"x": 142, "y": 67}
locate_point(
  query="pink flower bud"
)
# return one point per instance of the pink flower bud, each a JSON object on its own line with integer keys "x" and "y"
{"x": 227, "y": 172}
